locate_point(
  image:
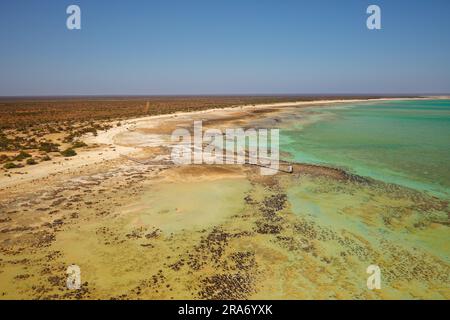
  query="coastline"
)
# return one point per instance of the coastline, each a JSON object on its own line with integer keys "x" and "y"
{"x": 106, "y": 149}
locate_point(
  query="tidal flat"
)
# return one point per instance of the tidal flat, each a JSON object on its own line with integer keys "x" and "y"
{"x": 147, "y": 231}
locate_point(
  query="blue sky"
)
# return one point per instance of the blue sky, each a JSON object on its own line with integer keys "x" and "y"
{"x": 223, "y": 47}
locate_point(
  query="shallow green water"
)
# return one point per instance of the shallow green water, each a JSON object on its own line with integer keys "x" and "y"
{"x": 403, "y": 142}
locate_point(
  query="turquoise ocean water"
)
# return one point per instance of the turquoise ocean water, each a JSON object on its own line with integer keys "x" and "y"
{"x": 403, "y": 142}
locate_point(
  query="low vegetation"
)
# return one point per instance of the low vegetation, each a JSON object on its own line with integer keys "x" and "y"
{"x": 12, "y": 165}
{"x": 31, "y": 161}
{"x": 49, "y": 147}
{"x": 78, "y": 144}
{"x": 69, "y": 153}
{"x": 22, "y": 155}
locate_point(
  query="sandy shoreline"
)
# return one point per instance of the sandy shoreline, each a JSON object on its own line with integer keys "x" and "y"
{"x": 107, "y": 149}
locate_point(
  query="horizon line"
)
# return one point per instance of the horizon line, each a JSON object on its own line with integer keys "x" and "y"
{"x": 68, "y": 96}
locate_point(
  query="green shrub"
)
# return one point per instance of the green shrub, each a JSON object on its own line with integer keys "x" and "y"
{"x": 10, "y": 165}
{"x": 49, "y": 147}
{"x": 22, "y": 155}
{"x": 46, "y": 158}
{"x": 78, "y": 144}
{"x": 69, "y": 153}
{"x": 31, "y": 161}
{"x": 5, "y": 142}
